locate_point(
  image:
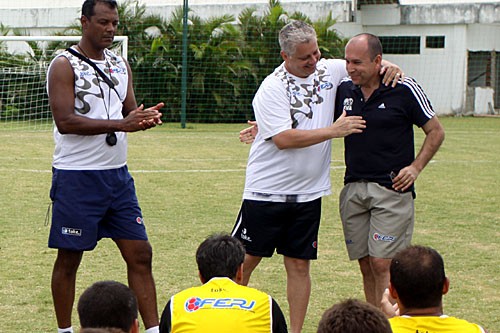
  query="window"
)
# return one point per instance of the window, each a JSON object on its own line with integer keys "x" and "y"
{"x": 479, "y": 69}
{"x": 434, "y": 42}
{"x": 482, "y": 71}
{"x": 401, "y": 44}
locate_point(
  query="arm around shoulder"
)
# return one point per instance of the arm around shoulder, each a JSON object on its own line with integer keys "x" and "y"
{"x": 296, "y": 138}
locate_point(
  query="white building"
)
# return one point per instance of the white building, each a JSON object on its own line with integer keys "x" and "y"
{"x": 455, "y": 52}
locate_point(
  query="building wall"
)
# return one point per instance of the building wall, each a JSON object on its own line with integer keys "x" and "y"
{"x": 441, "y": 72}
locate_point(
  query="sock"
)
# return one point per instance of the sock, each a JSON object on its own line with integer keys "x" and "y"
{"x": 65, "y": 330}
{"x": 154, "y": 329}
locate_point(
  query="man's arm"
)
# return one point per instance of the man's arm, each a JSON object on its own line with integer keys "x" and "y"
{"x": 434, "y": 137}
{"x": 392, "y": 73}
{"x": 62, "y": 103}
{"x": 295, "y": 138}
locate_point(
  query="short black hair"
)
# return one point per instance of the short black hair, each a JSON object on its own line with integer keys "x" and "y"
{"x": 219, "y": 255}
{"x": 417, "y": 274}
{"x": 107, "y": 304}
{"x": 353, "y": 316}
{"x": 89, "y": 5}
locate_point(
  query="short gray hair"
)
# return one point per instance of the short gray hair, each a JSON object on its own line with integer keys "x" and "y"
{"x": 294, "y": 33}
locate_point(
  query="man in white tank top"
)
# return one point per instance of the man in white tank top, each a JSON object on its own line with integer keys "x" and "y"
{"x": 92, "y": 193}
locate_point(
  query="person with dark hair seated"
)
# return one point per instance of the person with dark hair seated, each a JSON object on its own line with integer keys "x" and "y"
{"x": 418, "y": 283}
{"x": 110, "y": 305}
{"x": 221, "y": 304}
{"x": 353, "y": 316}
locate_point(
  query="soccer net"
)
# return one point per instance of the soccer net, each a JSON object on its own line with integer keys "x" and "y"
{"x": 24, "y": 61}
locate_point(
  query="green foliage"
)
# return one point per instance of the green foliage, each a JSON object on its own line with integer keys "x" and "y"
{"x": 22, "y": 79}
{"x": 330, "y": 43}
{"x": 227, "y": 58}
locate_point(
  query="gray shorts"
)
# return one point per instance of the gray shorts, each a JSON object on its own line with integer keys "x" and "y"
{"x": 377, "y": 221}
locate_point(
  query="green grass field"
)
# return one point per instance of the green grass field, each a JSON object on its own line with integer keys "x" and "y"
{"x": 189, "y": 183}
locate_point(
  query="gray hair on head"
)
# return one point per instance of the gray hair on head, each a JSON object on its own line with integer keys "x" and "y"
{"x": 294, "y": 33}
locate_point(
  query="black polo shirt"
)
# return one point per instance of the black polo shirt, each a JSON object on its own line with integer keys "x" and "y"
{"x": 387, "y": 143}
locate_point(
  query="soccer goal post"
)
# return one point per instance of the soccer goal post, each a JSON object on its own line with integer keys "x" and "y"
{"x": 24, "y": 61}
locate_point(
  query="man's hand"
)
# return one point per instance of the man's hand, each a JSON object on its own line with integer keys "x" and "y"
{"x": 143, "y": 119}
{"x": 346, "y": 125}
{"x": 248, "y": 134}
{"x": 389, "y": 309}
{"x": 392, "y": 73}
{"x": 405, "y": 178}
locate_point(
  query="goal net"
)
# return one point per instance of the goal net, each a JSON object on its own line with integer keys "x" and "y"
{"x": 24, "y": 61}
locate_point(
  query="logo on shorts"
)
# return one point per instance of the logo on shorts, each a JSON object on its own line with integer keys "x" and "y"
{"x": 71, "y": 231}
{"x": 244, "y": 235}
{"x": 195, "y": 303}
{"x": 383, "y": 238}
{"x": 315, "y": 244}
{"x": 139, "y": 220}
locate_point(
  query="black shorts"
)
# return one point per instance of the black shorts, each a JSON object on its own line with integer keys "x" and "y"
{"x": 290, "y": 228}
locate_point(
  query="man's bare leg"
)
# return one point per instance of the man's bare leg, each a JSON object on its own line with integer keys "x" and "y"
{"x": 138, "y": 256}
{"x": 63, "y": 285}
{"x": 380, "y": 269}
{"x": 298, "y": 291}
{"x": 368, "y": 279}
{"x": 248, "y": 266}
{"x": 375, "y": 273}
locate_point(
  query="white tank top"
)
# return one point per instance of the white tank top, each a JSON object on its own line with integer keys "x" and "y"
{"x": 94, "y": 99}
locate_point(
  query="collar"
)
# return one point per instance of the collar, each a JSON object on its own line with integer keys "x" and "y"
{"x": 220, "y": 278}
{"x": 381, "y": 88}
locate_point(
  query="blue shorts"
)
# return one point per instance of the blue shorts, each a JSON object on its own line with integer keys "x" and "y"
{"x": 88, "y": 205}
{"x": 289, "y": 228}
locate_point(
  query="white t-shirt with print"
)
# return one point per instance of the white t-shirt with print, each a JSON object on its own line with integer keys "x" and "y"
{"x": 282, "y": 102}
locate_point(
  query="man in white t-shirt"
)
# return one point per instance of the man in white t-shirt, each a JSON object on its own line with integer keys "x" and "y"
{"x": 288, "y": 170}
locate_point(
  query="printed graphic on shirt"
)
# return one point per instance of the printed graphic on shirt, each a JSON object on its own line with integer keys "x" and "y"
{"x": 348, "y": 104}
{"x": 89, "y": 82}
{"x": 304, "y": 96}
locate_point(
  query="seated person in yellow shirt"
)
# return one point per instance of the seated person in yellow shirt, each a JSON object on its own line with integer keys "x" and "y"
{"x": 418, "y": 283}
{"x": 221, "y": 304}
